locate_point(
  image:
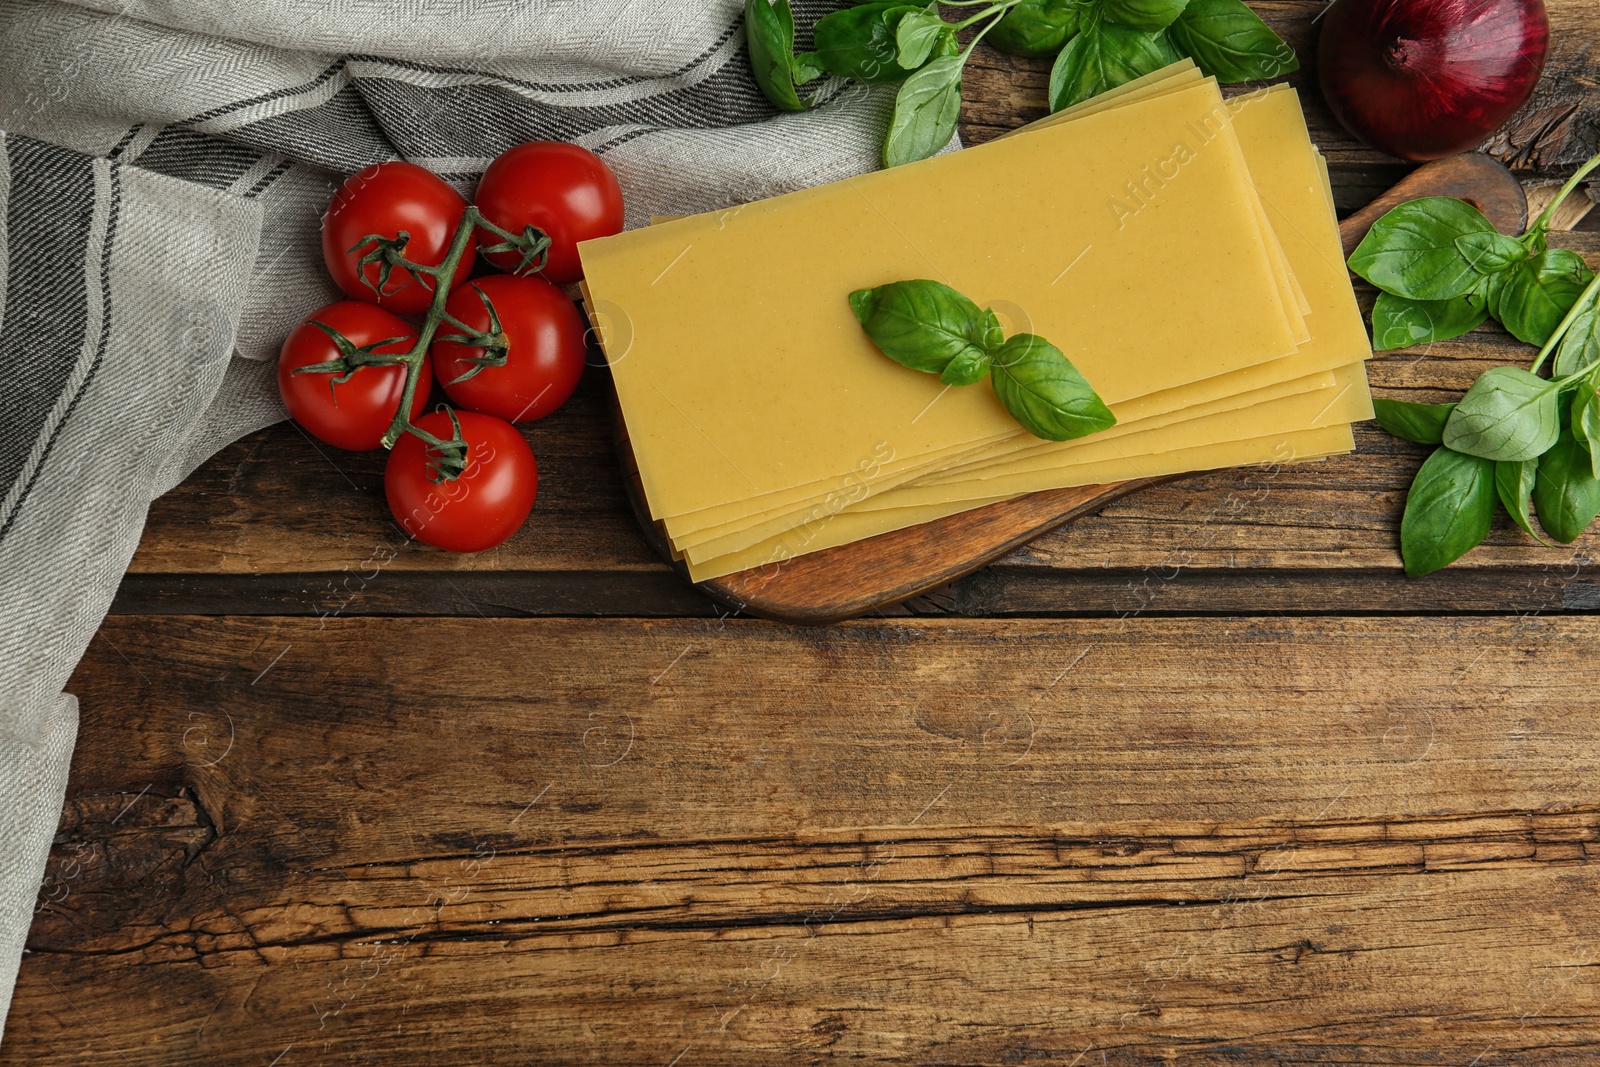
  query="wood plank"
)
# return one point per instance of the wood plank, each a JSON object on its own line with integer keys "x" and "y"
{"x": 275, "y": 525}
{"x": 1249, "y": 841}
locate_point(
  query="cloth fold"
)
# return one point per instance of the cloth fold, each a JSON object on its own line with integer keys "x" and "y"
{"x": 163, "y": 166}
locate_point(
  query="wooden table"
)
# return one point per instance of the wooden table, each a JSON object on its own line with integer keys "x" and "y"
{"x": 1200, "y": 778}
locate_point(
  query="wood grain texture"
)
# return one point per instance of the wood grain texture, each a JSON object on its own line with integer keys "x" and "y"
{"x": 1231, "y": 837}
{"x": 1327, "y": 841}
{"x": 275, "y": 525}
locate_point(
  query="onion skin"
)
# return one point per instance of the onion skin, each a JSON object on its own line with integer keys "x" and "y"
{"x": 1423, "y": 79}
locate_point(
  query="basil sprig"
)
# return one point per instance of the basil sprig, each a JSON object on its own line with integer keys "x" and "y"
{"x": 1102, "y": 56}
{"x": 1230, "y": 42}
{"x": 769, "y": 36}
{"x": 1036, "y": 27}
{"x": 1098, "y": 44}
{"x": 1442, "y": 269}
{"x": 930, "y": 327}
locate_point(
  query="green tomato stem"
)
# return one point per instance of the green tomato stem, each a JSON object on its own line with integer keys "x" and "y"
{"x": 1543, "y": 221}
{"x": 985, "y": 13}
{"x": 1566, "y": 323}
{"x": 441, "y": 275}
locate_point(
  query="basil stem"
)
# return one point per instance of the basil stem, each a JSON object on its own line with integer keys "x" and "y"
{"x": 1582, "y": 320}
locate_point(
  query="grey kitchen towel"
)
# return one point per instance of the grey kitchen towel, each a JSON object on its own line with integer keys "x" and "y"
{"x": 163, "y": 164}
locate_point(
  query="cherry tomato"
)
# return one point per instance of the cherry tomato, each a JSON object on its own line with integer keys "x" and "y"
{"x": 489, "y": 501}
{"x": 563, "y": 189}
{"x": 352, "y": 414}
{"x": 543, "y": 335}
{"x": 385, "y": 200}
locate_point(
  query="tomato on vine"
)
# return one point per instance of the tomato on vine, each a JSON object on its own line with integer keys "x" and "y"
{"x": 560, "y": 190}
{"x": 383, "y": 217}
{"x": 339, "y": 376}
{"x": 522, "y": 351}
{"x": 485, "y": 503}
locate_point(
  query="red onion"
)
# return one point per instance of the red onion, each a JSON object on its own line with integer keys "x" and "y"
{"x": 1421, "y": 79}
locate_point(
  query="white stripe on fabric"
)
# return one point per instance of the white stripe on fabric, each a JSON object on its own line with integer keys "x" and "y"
{"x": 140, "y": 141}
{"x": 246, "y": 183}
{"x": 312, "y": 96}
{"x": 631, "y": 90}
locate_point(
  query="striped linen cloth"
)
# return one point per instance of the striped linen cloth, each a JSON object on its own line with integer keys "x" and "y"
{"x": 163, "y": 164}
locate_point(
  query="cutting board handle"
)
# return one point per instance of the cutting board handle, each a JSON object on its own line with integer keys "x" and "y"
{"x": 880, "y": 572}
{"x": 1480, "y": 180}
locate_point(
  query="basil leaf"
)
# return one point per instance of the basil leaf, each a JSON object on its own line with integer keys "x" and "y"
{"x": 921, "y": 324}
{"x": 1586, "y": 423}
{"x": 1103, "y": 56}
{"x": 1422, "y": 423}
{"x": 1513, "y": 482}
{"x": 1540, "y": 291}
{"x": 1044, "y": 391}
{"x": 806, "y": 68}
{"x": 1508, "y": 414}
{"x": 969, "y": 366}
{"x": 769, "y": 36}
{"x": 1490, "y": 288}
{"x": 1035, "y": 27}
{"x": 1400, "y": 323}
{"x": 1448, "y": 510}
{"x": 859, "y": 42}
{"x": 1491, "y": 252}
{"x": 1411, "y": 251}
{"x": 1580, "y": 346}
{"x": 1230, "y": 42}
{"x": 993, "y": 334}
{"x": 1146, "y": 15}
{"x": 918, "y": 35}
{"x": 926, "y": 110}
{"x": 1567, "y": 494}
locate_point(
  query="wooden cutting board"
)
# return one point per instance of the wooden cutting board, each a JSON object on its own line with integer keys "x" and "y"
{"x": 879, "y": 572}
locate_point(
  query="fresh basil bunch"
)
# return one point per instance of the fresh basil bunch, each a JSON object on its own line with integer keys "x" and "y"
{"x": 1443, "y": 269}
{"x": 1098, "y": 44}
{"x": 931, "y": 327}
{"x": 1530, "y": 442}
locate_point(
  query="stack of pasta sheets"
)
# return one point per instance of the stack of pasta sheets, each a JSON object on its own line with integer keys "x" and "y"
{"x": 1181, "y": 250}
